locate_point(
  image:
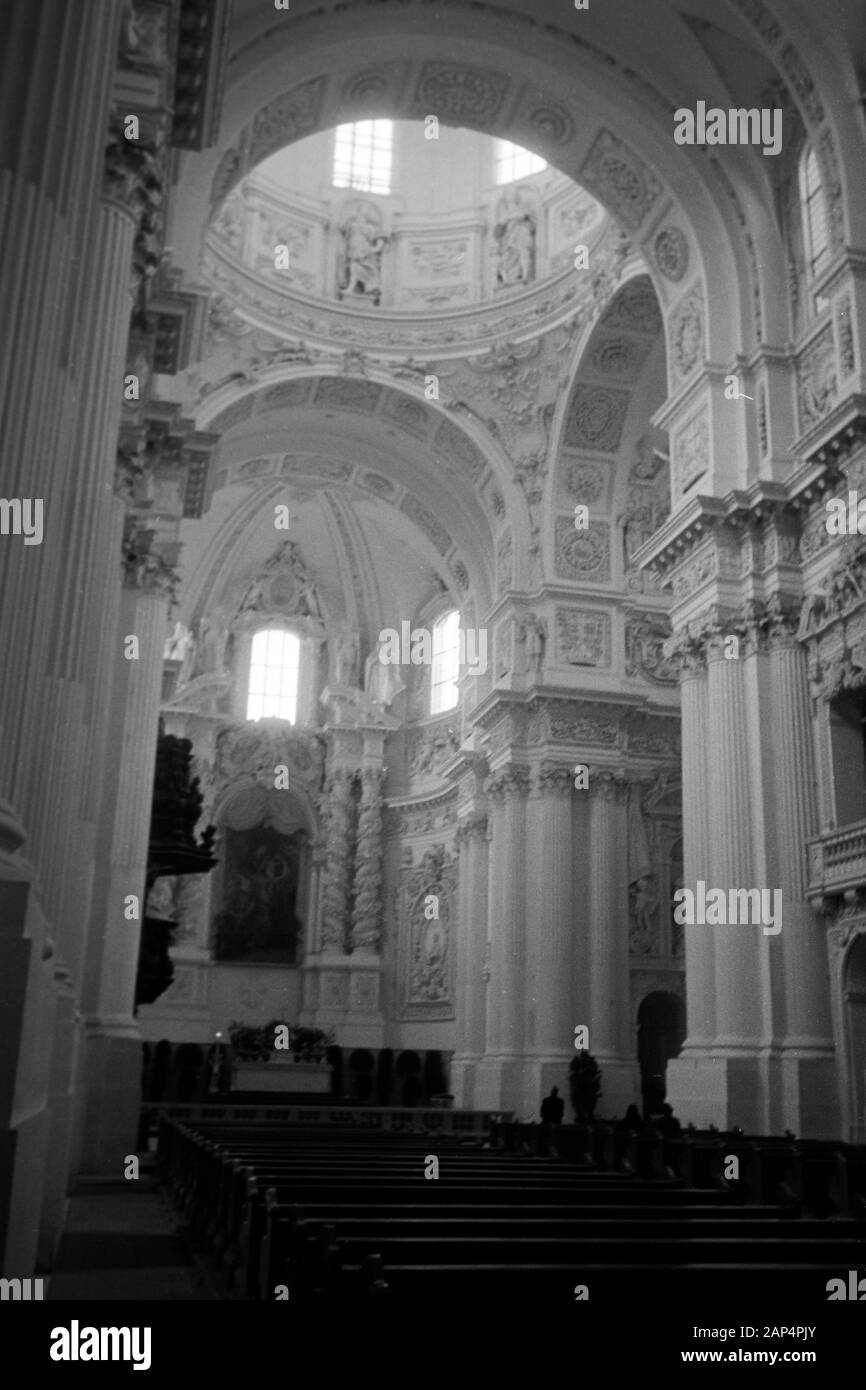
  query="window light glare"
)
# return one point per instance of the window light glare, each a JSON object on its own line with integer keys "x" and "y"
{"x": 362, "y": 156}
{"x": 513, "y": 162}
{"x": 272, "y": 692}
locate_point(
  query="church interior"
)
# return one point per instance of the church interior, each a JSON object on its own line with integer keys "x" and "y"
{"x": 433, "y": 590}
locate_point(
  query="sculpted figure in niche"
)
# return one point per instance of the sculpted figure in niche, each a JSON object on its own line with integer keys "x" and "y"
{"x": 644, "y": 908}
{"x": 533, "y": 635}
{"x": 212, "y": 639}
{"x": 177, "y": 645}
{"x": 382, "y": 681}
{"x": 361, "y": 258}
{"x": 514, "y": 246}
{"x": 346, "y": 651}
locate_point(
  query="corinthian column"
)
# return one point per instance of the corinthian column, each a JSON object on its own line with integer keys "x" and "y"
{"x": 367, "y": 909}
{"x": 113, "y": 1050}
{"x": 685, "y": 1073}
{"x": 809, "y": 1090}
{"x": 610, "y": 1037}
{"x": 338, "y": 871}
{"x": 550, "y": 928}
{"x": 471, "y": 1010}
{"x": 501, "y": 1073}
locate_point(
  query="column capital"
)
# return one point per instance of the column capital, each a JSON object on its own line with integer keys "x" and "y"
{"x": 509, "y": 781}
{"x": 553, "y": 779}
{"x": 473, "y": 827}
{"x": 608, "y": 784}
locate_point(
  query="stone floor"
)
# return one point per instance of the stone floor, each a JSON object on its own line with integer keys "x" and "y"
{"x": 120, "y": 1243}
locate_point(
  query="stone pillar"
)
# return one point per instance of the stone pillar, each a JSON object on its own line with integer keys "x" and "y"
{"x": 611, "y": 1041}
{"x": 113, "y": 1046}
{"x": 56, "y": 71}
{"x": 26, "y": 1030}
{"x": 52, "y": 245}
{"x": 549, "y": 937}
{"x": 735, "y": 1083}
{"x": 685, "y": 1088}
{"x": 501, "y": 1082}
{"x": 809, "y": 1088}
{"x": 471, "y": 1010}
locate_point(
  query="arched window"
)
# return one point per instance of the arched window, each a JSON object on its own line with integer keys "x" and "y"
{"x": 513, "y": 162}
{"x": 446, "y": 663}
{"x": 274, "y": 667}
{"x": 813, "y": 208}
{"x": 362, "y": 156}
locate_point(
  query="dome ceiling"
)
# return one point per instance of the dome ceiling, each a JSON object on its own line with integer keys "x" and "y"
{"x": 404, "y": 269}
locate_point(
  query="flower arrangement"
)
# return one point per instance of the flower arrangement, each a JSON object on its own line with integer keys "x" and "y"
{"x": 256, "y": 1043}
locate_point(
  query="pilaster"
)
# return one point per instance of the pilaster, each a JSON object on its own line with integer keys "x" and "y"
{"x": 501, "y": 1075}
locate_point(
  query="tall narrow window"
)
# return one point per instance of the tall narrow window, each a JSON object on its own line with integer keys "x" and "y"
{"x": 814, "y": 211}
{"x": 274, "y": 667}
{"x": 362, "y": 156}
{"x": 513, "y": 162}
{"x": 446, "y": 663}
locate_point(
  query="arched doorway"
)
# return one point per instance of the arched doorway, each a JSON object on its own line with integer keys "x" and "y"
{"x": 661, "y": 1025}
{"x": 854, "y": 1015}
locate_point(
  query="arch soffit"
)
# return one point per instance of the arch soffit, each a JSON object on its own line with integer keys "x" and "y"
{"x": 461, "y": 520}
{"x": 610, "y": 368}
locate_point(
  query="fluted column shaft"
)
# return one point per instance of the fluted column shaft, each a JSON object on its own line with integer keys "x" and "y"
{"x": 550, "y": 924}
{"x": 56, "y": 66}
{"x": 806, "y": 1033}
{"x": 609, "y": 917}
{"x": 136, "y": 701}
{"x": 699, "y": 946}
{"x": 471, "y": 988}
{"x": 122, "y": 849}
{"x": 507, "y": 792}
{"x": 740, "y": 965}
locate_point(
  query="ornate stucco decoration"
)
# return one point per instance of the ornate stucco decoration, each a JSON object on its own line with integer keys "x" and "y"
{"x": 252, "y": 751}
{"x": 646, "y": 633}
{"x": 427, "y": 906}
{"x": 284, "y": 587}
{"x": 833, "y": 625}
{"x": 567, "y": 298}
{"x": 367, "y": 905}
{"x": 421, "y": 815}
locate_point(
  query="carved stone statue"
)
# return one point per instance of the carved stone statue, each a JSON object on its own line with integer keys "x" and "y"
{"x": 644, "y": 909}
{"x": 346, "y": 652}
{"x": 212, "y": 639}
{"x": 382, "y": 680}
{"x": 361, "y": 257}
{"x": 514, "y": 248}
{"x": 533, "y": 634}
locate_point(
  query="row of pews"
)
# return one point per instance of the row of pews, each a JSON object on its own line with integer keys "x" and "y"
{"x": 284, "y": 1211}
